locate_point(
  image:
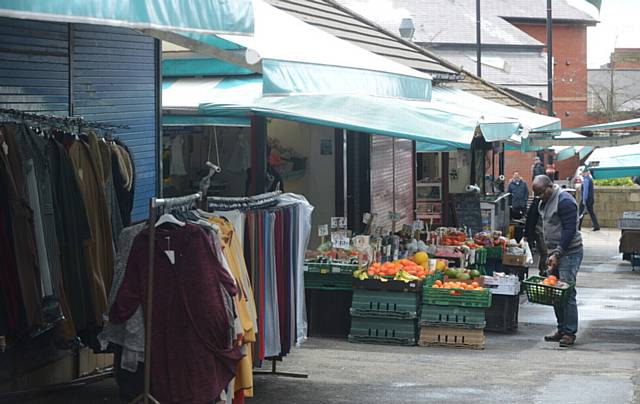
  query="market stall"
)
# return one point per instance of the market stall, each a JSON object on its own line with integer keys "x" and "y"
{"x": 419, "y": 287}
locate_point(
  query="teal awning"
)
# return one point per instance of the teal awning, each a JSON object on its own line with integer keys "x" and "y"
{"x": 211, "y": 16}
{"x": 594, "y": 128}
{"x": 298, "y": 58}
{"x": 615, "y": 162}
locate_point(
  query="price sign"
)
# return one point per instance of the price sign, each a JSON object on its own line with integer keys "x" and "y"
{"x": 340, "y": 239}
{"x": 323, "y": 230}
{"x": 338, "y": 222}
{"x": 418, "y": 225}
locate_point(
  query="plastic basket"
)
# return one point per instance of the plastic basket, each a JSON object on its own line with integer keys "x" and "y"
{"x": 374, "y": 303}
{"x": 457, "y": 297}
{"x": 383, "y": 331}
{"x": 452, "y": 316}
{"x": 329, "y": 281}
{"x": 429, "y": 280}
{"x": 546, "y": 294}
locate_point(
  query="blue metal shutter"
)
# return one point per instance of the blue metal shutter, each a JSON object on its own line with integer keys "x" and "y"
{"x": 34, "y": 66}
{"x": 114, "y": 73}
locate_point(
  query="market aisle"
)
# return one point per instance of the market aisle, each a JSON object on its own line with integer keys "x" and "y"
{"x": 517, "y": 368}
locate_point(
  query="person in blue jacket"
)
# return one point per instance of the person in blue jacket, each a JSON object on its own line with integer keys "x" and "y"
{"x": 519, "y": 195}
{"x": 588, "y": 200}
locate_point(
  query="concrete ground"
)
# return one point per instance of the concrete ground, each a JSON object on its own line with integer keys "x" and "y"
{"x": 603, "y": 366}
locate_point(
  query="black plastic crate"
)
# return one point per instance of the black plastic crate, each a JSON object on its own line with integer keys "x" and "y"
{"x": 328, "y": 312}
{"x": 502, "y": 316}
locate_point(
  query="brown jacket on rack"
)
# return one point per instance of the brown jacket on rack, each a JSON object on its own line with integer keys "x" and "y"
{"x": 26, "y": 258}
{"x": 99, "y": 250}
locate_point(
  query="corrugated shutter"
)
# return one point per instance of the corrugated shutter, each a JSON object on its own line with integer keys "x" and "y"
{"x": 382, "y": 180}
{"x": 405, "y": 180}
{"x": 34, "y": 66}
{"x": 114, "y": 72}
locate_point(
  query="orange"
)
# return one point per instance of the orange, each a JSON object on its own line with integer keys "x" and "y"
{"x": 475, "y": 284}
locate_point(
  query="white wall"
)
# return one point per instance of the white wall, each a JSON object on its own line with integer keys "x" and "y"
{"x": 318, "y": 182}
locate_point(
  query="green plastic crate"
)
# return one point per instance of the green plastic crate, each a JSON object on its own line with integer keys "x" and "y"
{"x": 463, "y": 298}
{"x": 429, "y": 280}
{"x": 494, "y": 252}
{"x": 329, "y": 281}
{"x": 383, "y": 331}
{"x": 481, "y": 256}
{"x": 452, "y": 316}
{"x": 330, "y": 268}
{"x": 374, "y": 303}
{"x": 546, "y": 294}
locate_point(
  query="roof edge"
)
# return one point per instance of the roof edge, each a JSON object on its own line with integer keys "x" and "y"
{"x": 425, "y": 52}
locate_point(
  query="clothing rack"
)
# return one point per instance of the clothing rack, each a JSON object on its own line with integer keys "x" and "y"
{"x": 62, "y": 120}
{"x": 243, "y": 203}
{"x": 154, "y": 204}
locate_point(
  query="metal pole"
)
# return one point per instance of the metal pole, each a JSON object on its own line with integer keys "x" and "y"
{"x": 549, "y": 59}
{"x": 345, "y": 175}
{"x": 147, "y": 343}
{"x": 478, "y": 41}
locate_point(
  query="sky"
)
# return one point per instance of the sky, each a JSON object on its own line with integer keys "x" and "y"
{"x": 618, "y": 27}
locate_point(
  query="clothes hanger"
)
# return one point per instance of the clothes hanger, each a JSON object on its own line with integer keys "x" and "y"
{"x": 169, "y": 218}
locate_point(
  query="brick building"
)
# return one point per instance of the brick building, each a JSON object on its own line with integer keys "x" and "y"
{"x": 513, "y": 36}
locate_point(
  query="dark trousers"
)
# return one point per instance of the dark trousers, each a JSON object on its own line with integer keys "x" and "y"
{"x": 592, "y": 213}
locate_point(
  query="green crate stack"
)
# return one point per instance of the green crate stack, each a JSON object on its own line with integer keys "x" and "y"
{"x": 481, "y": 260}
{"x": 327, "y": 281}
{"x": 450, "y": 312}
{"x": 384, "y": 317}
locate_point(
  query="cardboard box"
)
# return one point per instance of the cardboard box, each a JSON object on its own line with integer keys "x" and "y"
{"x": 514, "y": 260}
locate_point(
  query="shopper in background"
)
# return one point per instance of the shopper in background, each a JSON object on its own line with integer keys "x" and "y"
{"x": 559, "y": 213}
{"x": 519, "y": 195}
{"x": 537, "y": 168}
{"x": 588, "y": 200}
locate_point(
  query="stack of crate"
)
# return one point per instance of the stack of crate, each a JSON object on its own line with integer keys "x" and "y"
{"x": 385, "y": 312}
{"x": 454, "y": 318}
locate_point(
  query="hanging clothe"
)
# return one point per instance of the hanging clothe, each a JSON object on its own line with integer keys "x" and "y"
{"x": 22, "y": 226}
{"x": 99, "y": 249}
{"x": 191, "y": 358}
{"x": 177, "y": 156}
{"x": 72, "y": 230}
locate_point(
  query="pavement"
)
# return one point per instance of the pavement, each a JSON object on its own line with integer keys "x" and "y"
{"x": 603, "y": 366}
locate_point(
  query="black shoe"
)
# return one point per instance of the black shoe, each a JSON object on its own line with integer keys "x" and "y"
{"x": 554, "y": 337}
{"x": 567, "y": 341}
{"x": 596, "y": 229}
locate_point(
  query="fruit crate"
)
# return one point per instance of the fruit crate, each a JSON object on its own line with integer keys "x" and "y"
{"x": 429, "y": 280}
{"x": 330, "y": 268}
{"x": 383, "y": 304}
{"x": 481, "y": 256}
{"x": 502, "y": 316}
{"x": 389, "y": 285}
{"x": 494, "y": 252}
{"x": 329, "y": 281}
{"x": 383, "y": 331}
{"x": 452, "y": 316}
{"x": 457, "y": 297}
{"x": 546, "y": 294}
{"x": 452, "y": 337}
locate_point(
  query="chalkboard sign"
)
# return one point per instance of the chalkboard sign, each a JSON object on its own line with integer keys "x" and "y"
{"x": 467, "y": 211}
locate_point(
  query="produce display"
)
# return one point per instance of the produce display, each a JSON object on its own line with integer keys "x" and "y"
{"x": 490, "y": 239}
{"x": 552, "y": 280}
{"x": 413, "y": 269}
{"x": 457, "y": 285}
{"x": 461, "y": 273}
